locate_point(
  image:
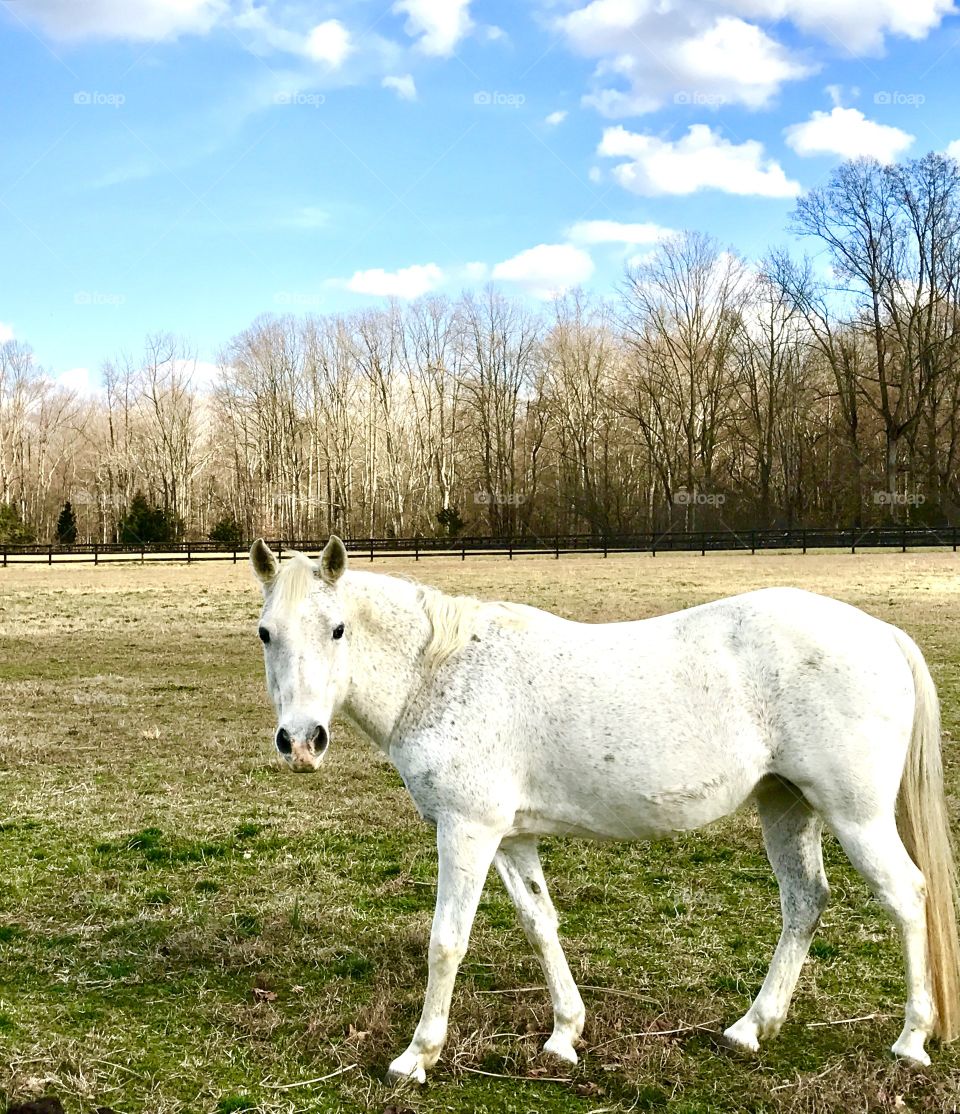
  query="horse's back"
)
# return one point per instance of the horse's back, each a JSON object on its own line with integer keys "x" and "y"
{"x": 633, "y": 729}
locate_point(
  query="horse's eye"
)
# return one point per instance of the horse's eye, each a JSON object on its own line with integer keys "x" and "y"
{"x": 338, "y": 631}
{"x": 264, "y": 635}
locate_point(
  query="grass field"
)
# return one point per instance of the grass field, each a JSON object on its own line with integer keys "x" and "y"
{"x": 184, "y": 926}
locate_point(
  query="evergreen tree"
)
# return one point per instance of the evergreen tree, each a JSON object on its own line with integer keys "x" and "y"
{"x": 146, "y": 524}
{"x": 13, "y": 530}
{"x": 67, "y": 525}
{"x": 449, "y": 518}
{"x": 227, "y": 531}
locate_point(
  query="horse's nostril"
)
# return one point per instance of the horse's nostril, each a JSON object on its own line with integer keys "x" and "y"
{"x": 284, "y": 742}
{"x": 319, "y": 738}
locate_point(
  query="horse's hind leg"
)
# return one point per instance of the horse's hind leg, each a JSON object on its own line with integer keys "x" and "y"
{"x": 877, "y": 852}
{"x": 519, "y": 865}
{"x": 791, "y": 834}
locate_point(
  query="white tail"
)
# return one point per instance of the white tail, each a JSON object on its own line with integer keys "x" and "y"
{"x": 924, "y": 826}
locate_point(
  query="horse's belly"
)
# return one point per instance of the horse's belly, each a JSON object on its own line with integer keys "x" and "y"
{"x": 602, "y": 809}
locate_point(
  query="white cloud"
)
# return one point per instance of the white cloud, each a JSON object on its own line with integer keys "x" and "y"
{"x": 547, "y": 269}
{"x": 650, "y": 54}
{"x": 475, "y": 272}
{"x": 835, "y": 93}
{"x": 847, "y": 132}
{"x": 408, "y": 282}
{"x": 403, "y": 85}
{"x": 617, "y": 232}
{"x": 738, "y": 61}
{"x": 205, "y": 374}
{"x": 76, "y": 379}
{"x": 705, "y": 53}
{"x": 121, "y": 19}
{"x": 702, "y": 159}
{"x": 953, "y": 149}
{"x": 6, "y": 332}
{"x": 438, "y": 25}
{"x": 860, "y": 28}
{"x": 555, "y": 118}
{"x": 328, "y": 42}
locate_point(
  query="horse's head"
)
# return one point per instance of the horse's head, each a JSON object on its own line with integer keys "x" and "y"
{"x": 303, "y": 631}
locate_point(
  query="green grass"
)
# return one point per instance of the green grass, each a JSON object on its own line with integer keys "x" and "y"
{"x": 185, "y": 927}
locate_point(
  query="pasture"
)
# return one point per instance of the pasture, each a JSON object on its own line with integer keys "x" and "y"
{"x": 187, "y": 927}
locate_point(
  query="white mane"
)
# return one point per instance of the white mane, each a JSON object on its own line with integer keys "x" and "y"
{"x": 292, "y": 583}
{"x": 455, "y": 620}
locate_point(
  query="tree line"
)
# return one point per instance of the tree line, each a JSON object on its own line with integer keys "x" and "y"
{"x": 705, "y": 392}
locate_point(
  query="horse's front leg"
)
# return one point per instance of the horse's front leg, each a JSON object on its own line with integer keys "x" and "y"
{"x": 465, "y": 852}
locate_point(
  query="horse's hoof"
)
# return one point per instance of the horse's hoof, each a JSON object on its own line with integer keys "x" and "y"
{"x": 912, "y": 1051}
{"x": 742, "y": 1036}
{"x": 407, "y": 1068}
{"x": 561, "y": 1048}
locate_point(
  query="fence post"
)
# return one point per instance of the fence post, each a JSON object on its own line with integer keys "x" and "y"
{"x": 510, "y": 548}
{"x": 5, "y": 552}
{"x": 96, "y": 553}
{"x": 903, "y": 539}
{"x": 753, "y": 543}
{"x": 853, "y": 539}
{"x": 604, "y": 545}
{"x": 703, "y": 543}
{"x": 556, "y": 546}
{"x": 803, "y": 539}
{"x": 463, "y": 550}
{"x": 50, "y": 555}
{"x": 416, "y": 549}
{"x": 234, "y": 554}
{"x": 188, "y": 553}
{"x": 143, "y": 549}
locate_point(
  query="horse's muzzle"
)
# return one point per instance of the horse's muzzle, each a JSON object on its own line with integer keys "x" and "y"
{"x": 303, "y": 752}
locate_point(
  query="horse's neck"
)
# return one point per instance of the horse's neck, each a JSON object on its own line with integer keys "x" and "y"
{"x": 388, "y": 632}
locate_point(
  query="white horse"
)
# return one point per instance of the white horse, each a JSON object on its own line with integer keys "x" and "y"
{"x": 507, "y": 723}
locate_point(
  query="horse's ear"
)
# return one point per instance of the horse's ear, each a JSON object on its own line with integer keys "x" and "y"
{"x": 264, "y": 562}
{"x": 333, "y": 560}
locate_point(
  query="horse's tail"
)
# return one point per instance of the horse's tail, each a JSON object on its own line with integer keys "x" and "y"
{"x": 924, "y": 827}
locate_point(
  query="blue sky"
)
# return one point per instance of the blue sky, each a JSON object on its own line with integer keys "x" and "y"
{"x": 185, "y": 165}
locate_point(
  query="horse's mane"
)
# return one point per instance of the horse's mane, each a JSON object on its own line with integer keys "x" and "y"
{"x": 454, "y": 620}
{"x": 292, "y": 582}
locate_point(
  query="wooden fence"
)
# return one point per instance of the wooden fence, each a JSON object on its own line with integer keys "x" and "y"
{"x": 802, "y": 539}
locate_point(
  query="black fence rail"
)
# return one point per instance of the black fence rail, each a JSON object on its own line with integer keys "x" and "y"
{"x": 800, "y": 538}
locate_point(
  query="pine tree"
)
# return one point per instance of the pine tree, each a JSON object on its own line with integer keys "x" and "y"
{"x": 13, "y": 530}
{"x": 67, "y": 525}
{"x": 146, "y": 524}
{"x": 227, "y": 531}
